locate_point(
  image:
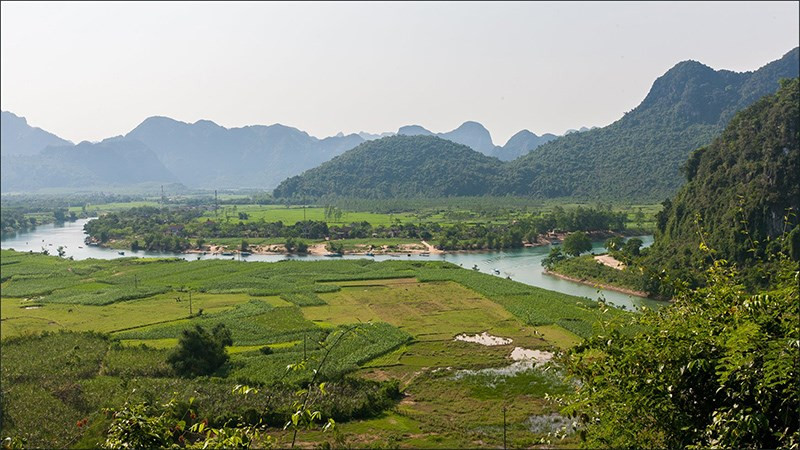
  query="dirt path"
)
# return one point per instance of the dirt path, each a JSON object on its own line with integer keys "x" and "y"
{"x": 431, "y": 249}
{"x": 317, "y": 249}
{"x": 610, "y": 261}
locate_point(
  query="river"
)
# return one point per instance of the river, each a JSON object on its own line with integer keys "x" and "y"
{"x": 523, "y": 265}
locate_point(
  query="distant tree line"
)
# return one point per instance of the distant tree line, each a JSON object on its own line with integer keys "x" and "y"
{"x": 171, "y": 229}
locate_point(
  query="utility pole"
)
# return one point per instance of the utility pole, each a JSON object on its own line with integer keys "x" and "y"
{"x": 190, "y": 303}
{"x": 163, "y": 199}
{"x": 504, "y": 427}
{"x": 135, "y": 282}
{"x": 216, "y": 203}
{"x": 304, "y": 213}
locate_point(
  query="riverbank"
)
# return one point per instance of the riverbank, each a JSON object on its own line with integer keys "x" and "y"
{"x": 588, "y": 282}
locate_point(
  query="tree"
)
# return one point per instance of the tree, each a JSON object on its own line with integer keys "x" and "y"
{"x": 718, "y": 368}
{"x": 244, "y": 246}
{"x": 335, "y": 247}
{"x": 60, "y": 215}
{"x": 631, "y": 248}
{"x": 577, "y": 243}
{"x": 554, "y": 257}
{"x": 614, "y": 243}
{"x": 200, "y": 352}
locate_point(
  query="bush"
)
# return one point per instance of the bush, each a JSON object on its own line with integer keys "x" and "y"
{"x": 200, "y": 352}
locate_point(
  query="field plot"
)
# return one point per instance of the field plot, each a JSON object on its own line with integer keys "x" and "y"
{"x": 401, "y": 380}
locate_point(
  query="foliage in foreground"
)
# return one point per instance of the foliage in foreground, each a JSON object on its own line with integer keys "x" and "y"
{"x": 200, "y": 352}
{"x": 719, "y": 368}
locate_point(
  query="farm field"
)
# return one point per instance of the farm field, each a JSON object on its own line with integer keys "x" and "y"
{"x": 401, "y": 380}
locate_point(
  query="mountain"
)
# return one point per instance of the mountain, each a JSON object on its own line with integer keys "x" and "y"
{"x": 371, "y": 137}
{"x": 206, "y": 155}
{"x": 113, "y": 162}
{"x": 742, "y": 186}
{"x": 476, "y": 136}
{"x": 414, "y": 130}
{"x": 400, "y": 166}
{"x": 638, "y": 157}
{"x": 473, "y": 135}
{"x": 520, "y": 144}
{"x": 19, "y": 138}
{"x": 580, "y": 130}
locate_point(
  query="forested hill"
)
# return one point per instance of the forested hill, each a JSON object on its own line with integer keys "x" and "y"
{"x": 639, "y": 156}
{"x": 741, "y": 186}
{"x": 400, "y": 166}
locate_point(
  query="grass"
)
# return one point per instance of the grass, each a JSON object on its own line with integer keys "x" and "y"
{"x": 293, "y": 214}
{"x": 410, "y": 312}
{"x": 586, "y": 268}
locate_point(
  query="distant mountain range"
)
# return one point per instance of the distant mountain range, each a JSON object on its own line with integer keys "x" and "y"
{"x": 19, "y": 138}
{"x": 637, "y": 157}
{"x": 204, "y": 154}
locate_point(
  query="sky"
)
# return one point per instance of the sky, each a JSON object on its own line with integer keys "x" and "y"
{"x": 88, "y": 71}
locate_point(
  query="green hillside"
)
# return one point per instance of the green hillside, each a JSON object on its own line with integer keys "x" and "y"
{"x": 745, "y": 190}
{"x": 400, "y": 166}
{"x": 637, "y": 158}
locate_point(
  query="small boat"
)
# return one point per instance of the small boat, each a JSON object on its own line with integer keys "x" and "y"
{"x": 80, "y": 246}
{"x": 245, "y": 253}
{"x": 395, "y": 256}
{"x": 425, "y": 254}
{"x": 496, "y": 272}
{"x": 333, "y": 255}
{"x": 121, "y": 253}
{"x": 227, "y": 253}
{"x": 198, "y": 258}
{"x": 370, "y": 254}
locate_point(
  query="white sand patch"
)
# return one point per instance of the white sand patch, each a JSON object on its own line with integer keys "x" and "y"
{"x": 610, "y": 261}
{"x": 484, "y": 339}
{"x": 524, "y": 354}
{"x": 32, "y": 307}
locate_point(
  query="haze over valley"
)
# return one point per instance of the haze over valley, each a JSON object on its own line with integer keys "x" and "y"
{"x": 400, "y": 225}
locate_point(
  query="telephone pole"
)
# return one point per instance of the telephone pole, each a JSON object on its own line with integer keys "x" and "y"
{"x": 190, "y": 303}
{"x": 504, "y": 427}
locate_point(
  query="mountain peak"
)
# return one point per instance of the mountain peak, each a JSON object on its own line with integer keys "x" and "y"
{"x": 414, "y": 130}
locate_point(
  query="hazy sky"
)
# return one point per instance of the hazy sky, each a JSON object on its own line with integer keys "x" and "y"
{"x": 88, "y": 71}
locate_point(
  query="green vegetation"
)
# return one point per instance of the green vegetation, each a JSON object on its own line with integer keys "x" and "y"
{"x": 717, "y": 368}
{"x": 587, "y": 269}
{"x": 636, "y": 158}
{"x": 747, "y": 181}
{"x": 742, "y": 194}
{"x": 200, "y": 352}
{"x": 400, "y": 166}
{"x": 409, "y": 312}
{"x": 174, "y": 229}
{"x": 577, "y": 243}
